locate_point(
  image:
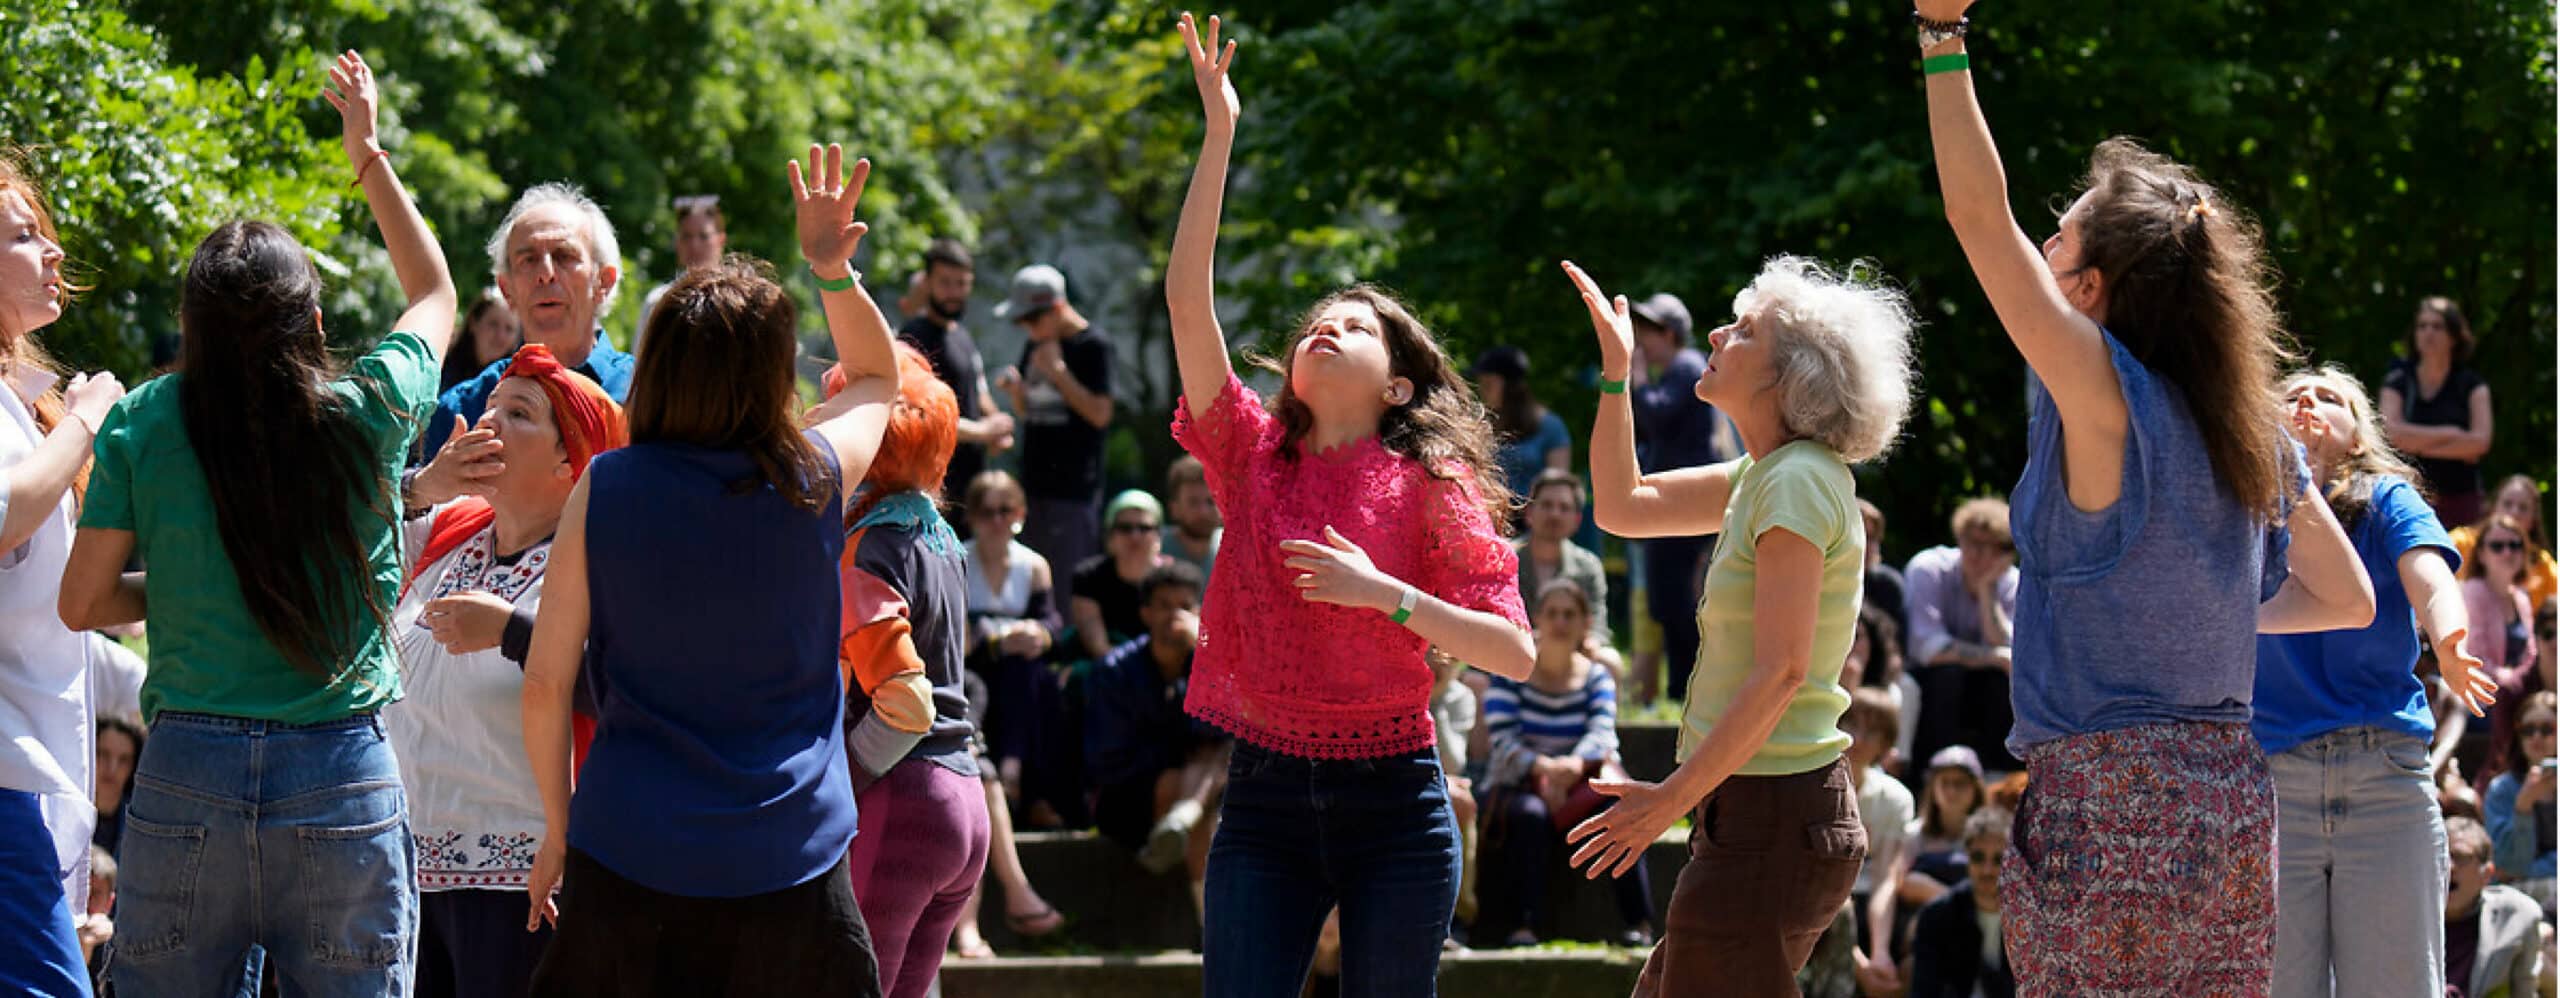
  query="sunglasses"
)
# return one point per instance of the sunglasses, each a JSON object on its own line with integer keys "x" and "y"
{"x": 1979, "y": 857}
{"x": 2503, "y": 547}
{"x": 1135, "y": 528}
{"x": 2542, "y": 730}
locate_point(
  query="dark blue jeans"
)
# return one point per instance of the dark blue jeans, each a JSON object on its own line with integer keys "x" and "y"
{"x": 1297, "y": 837}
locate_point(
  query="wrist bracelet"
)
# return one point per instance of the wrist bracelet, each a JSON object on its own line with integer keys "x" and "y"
{"x": 846, "y": 283}
{"x": 1933, "y": 33}
{"x": 378, "y": 156}
{"x": 1613, "y": 386}
{"x": 1952, "y": 62}
{"x": 1404, "y": 606}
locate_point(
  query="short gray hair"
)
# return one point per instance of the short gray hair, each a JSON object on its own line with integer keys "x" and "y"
{"x": 602, "y": 248}
{"x": 1842, "y": 352}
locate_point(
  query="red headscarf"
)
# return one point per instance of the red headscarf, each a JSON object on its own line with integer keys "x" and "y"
{"x": 589, "y": 421}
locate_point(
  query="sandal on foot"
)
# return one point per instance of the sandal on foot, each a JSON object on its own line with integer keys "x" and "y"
{"x": 1033, "y": 925}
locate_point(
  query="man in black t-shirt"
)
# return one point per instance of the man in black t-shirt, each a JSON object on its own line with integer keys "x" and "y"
{"x": 948, "y": 276}
{"x": 1062, "y": 391}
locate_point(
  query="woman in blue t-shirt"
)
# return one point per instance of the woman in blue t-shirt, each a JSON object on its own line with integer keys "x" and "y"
{"x": 695, "y": 574}
{"x": 2152, "y": 526}
{"x": 2344, "y": 720}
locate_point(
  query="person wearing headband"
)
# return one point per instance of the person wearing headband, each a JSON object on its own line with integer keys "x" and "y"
{"x": 474, "y": 569}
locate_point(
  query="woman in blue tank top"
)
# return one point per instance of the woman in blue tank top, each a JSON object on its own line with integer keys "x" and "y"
{"x": 2152, "y": 524}
{"x": 704, "y": 850}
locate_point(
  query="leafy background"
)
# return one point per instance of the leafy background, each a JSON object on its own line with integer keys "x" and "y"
{"x": 1452, "y": 150}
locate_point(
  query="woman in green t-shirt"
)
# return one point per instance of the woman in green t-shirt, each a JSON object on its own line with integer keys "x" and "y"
{"x": 257, "y": 483}
{"x": 1815, "y": 372}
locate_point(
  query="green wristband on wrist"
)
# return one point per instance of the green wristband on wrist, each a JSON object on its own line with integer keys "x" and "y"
{"x": 845, "y": 283}
{"x": 1952, "y": 62}
{"x": 1613, "y": 386}
{"x": 1405, "y": 605}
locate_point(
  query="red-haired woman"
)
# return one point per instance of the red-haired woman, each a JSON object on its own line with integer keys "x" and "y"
{"x": 923, "y": 843}
{"x": 45, "y": 817}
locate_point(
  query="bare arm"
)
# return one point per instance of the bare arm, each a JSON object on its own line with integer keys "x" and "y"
{"x": 2444, "y": 619}
{"x": 851, "y": 422}
{"x": 415, "y": 256}
{"x": 1336, "y": 571}
{"x": 1090, "y": 631}
{"x": 1088, "y": 405}
{"x": 550, "y": 680}
{"x": 2061, "y": 345}
{"x": 96, "y": 590}
{"x": 1199, "y": 344}
{"x": 2473, "y": 443}
{"x": 33, "y": 487}
{"x": 1685, "y": 502}
{"x": 2325, "y": 587}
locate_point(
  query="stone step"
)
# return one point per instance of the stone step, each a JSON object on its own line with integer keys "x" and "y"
{"x": 1510, "y": 973}
{"x": 1113, "y": 904}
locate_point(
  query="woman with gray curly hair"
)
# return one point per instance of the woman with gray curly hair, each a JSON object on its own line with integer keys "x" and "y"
{"x": 1815, "y": 372}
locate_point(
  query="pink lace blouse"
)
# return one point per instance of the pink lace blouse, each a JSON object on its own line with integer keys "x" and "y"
{"x": 1317, "y": 680}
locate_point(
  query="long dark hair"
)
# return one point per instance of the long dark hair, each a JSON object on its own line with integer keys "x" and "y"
{"x": 286, "y": 462}
{"x": 1443, "y": 427}
{"x": 2189, "y": 293}
{"x": 718, "y": 375}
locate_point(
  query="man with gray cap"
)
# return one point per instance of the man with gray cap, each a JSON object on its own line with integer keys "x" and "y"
{"x": 1674, "y": 429}
{"x": 1061, "y": 395}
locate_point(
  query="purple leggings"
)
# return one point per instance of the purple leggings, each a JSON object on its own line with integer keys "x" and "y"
{"x": 921, "y": 850}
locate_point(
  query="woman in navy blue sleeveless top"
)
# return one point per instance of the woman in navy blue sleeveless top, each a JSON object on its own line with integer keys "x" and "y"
{"x": 2163, "y": 520}
{"x": 704, "y": 850}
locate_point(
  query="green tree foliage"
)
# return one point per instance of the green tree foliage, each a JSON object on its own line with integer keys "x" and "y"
{"x": 140, "y": 158}
{"x": 1457, "y": 149}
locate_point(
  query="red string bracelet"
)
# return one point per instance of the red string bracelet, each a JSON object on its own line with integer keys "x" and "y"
{"x": 378, "y": 156}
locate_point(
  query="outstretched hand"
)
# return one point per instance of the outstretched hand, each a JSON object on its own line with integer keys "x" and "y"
{"x": 1609, "y": 318}
{"x": 824, "y": 200}
{"x": 352, "y": 92}
{"x": 1209, "y": 64}
{"x": 2465, "y": 673}
{"x": 1614, "y": 840}
{"x": 1336, "y": 571}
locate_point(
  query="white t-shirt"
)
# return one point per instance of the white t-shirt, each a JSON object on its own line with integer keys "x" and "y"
{"x": 44, "y": 670}
{"x": 459, "y": 734}
{"x": 1884, "y": 806}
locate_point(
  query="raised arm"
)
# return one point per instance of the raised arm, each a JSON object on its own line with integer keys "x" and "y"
{"x": 1190, "y": 278}
{"x": 32, "y": 489}
{"x": 415, "y": 256}
{"x": 2325, "y": 587}
{"x": 824, "y": 198}
{"x": 2059, "y": 343}
{"x": 1684, "y": 502}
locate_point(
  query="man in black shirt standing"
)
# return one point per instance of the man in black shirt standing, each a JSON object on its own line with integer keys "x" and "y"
{"x": 1062, "y": 389}
{"x": 936, "y": 332}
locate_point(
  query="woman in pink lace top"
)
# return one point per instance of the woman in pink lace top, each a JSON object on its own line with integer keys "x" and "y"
{"x": 1361, "y": 506}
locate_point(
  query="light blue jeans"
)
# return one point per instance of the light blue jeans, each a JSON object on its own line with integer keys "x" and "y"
{"x": 2360, "y": 867}
{"x": 293, "y": 839}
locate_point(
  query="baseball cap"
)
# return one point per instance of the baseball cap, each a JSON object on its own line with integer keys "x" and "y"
{"x": 1036, "y": 288}
{"x": 1957, "y": 757}
{"x": 1664, "y": 309}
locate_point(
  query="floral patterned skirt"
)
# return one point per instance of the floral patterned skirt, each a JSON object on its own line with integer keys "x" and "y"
{"x": 2142, "y": 862}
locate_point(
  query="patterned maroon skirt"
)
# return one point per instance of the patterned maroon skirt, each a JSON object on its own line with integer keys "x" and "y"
{"x": 2142, "y": 862}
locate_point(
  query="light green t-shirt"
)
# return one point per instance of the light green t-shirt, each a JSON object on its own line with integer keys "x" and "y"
{"x": 1805, "y": 489}
{"x": 207, "y": 653}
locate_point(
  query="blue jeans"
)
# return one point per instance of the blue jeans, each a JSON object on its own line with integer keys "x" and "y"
{"x": 2360, "y": 867}
{"x": 1297, "y": 837}
{"x": 290, "y": 838}
{"x": 39, "y": 954}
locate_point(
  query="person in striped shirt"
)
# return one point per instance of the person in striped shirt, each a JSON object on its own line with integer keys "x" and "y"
{"x": 1550, "y": 734}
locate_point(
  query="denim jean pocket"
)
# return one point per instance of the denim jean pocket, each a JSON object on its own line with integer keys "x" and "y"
{"x": 156, "y": 898}
{"x": 356, "y": 891}
{"x": 2408, "y": 754}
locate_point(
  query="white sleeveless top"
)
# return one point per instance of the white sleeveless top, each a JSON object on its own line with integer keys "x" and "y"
{"x": 1014, "y": 599}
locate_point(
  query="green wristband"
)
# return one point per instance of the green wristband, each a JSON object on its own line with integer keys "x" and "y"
{"x": 1610, "y": 386}
{"x": 1401, "y": 615}
{"x": 1405, "y": 605}
{"x": 845, "y": 283}
{"x": 1952, "y": 62}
